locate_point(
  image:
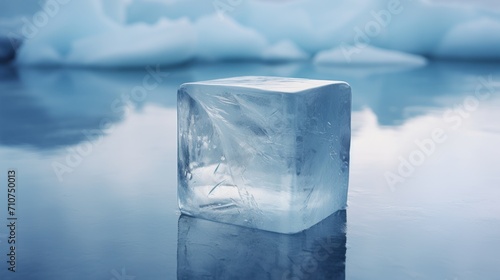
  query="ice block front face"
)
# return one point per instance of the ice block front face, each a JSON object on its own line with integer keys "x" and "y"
{"x": 264, "y": 152}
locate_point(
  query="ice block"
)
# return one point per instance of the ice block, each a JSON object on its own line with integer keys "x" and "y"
{"x": 269, "y": 153}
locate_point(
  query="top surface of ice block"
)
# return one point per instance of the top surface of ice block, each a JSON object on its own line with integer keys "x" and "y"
{"x": 280, "y": 84}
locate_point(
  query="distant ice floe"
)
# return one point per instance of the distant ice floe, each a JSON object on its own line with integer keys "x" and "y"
{"x": 135, "y": 33}
{"x": 366, "y": 55}
{"x": 284, "y": 50}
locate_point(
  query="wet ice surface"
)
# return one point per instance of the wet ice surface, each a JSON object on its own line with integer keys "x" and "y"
{"x": 223, "y": 251}
{"x": 264, "y": 152}
{"x": 118, "y": 207}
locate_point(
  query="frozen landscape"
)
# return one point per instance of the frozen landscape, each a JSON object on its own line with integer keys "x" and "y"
{"x": 88, "y": 118}
{"x": 134, "y": 33}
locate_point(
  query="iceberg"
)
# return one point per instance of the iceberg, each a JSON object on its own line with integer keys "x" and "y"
{"x": 9, "y": 41}
{"x": 284, "y": 51}
{"x": 135, "y": 33}
{"x": 69, "y": 38}
{"x": 7, "y": 51}
{"x": 482, "y": 41}
{"x": 366, "y": 55}
{"x": 226, "y": 39}
{"x": 264, "y": 152}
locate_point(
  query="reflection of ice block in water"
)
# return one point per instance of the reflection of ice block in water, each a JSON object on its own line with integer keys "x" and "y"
{"x": 264, "y": 152}
{"x": 210, "y": 250}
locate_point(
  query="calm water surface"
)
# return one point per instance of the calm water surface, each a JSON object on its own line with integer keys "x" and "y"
{"x": 95, "y": 156}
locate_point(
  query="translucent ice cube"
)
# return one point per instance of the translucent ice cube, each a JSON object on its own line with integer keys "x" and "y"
{"x": 264, "y": 152}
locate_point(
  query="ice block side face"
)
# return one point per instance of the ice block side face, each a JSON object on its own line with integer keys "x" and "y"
{"x": 263, "y": 152}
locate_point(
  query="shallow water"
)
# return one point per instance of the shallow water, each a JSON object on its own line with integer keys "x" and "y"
{"x": 110, "y": 210}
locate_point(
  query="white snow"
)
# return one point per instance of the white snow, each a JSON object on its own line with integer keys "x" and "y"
{"x": 132, "y": 33}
